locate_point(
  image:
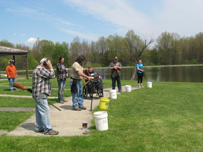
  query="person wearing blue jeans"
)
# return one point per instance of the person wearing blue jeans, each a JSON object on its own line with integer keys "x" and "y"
{"x": 42, "y": 115}
{"x": 61, "y": 78}
{"x": 41, "y": 88}
{"x": 114, "y": 80}
{"x": 76, "y": 83}
{"x": 115, "y": 68}
{"x": 11, "y": 74}
{"x": 11, "y": 82}
{"x": 77, "y": 97}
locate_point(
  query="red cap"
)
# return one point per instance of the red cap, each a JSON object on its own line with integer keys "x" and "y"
{"x": 89, "y": 67}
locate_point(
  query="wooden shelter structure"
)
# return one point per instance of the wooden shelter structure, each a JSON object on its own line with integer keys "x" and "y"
{"x": 6, "y": 51}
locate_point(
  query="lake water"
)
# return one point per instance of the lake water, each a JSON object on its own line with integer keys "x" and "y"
{"x": 166, "y": 73}
{"x": 162, "y": 73}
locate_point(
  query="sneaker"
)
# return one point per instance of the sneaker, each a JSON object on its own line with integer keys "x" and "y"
{"x": 77, "y": 109}
{"x": 65, "y": 100}
{"x": 83, "y": 108}
{"x": 139, "y": 87}
{"x": 142, "y": 86}
{"x": 39, "y": 131}
{"x": 51, "y": 132}
{"x": 11, "y": 90}
{"x": 120, "y": 91}
{"x": 99, "y": 91}
{"x": 61, "y": 102}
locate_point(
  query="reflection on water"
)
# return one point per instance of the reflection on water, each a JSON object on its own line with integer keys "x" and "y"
{"x": 170, "y": 74}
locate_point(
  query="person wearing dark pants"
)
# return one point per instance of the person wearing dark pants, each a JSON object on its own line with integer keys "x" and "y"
{"x": 115, "y": 68}
{"x": 140, "y": 71}
{"x": 97, "y": 81}
{"x": 62, "y": 73}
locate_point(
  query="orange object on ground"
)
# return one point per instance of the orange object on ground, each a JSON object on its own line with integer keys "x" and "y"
{"x": 11, "y": 71}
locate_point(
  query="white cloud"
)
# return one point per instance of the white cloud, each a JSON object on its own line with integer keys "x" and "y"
{"x": 14, "y": 34}
{"x": 117, "y": 12}
{"x": 83, "y": 35}
{"x": 22, "y": 34}
{"x": 31, "y": 40}
{"x": 184, "y": 17}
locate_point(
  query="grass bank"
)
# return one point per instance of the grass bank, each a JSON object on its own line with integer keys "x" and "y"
{"x": 167, "y": 117}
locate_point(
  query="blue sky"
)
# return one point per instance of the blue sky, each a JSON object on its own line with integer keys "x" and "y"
{"x": 23, "y": 21}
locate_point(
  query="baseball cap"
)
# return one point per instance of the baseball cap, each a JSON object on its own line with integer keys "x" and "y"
{"x": 116, "y": 58}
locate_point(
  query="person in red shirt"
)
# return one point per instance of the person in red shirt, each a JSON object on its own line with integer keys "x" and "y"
{"x": 11, "y": 74}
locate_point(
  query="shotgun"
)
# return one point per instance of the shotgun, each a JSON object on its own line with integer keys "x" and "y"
{"x": 118, "y": 74}
{"x": 17, "y": 85}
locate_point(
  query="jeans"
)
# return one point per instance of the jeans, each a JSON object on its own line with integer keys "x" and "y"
{"x": 61, "y": 85}
{"x": 11, "y": 82}
{"x": 118, "y": 82}
{"x": 77, "y": 98}
{"x": 42, "y": 115}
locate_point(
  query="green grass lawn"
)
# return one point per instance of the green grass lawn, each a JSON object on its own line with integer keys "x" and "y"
{"x": 20, "y": 102}
{"x": 167, "y": 117}
{"x": 9, "y": 120}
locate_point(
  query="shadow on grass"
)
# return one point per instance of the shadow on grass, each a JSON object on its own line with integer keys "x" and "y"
{"x": 7, "y": 90}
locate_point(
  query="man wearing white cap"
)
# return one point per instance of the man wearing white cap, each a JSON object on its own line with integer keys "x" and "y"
{"x": 41, "y": 88}
{"x": 115, "y": 68}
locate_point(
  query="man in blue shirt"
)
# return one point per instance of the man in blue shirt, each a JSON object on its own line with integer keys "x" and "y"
{"x": 140, "y": 71}
{"x": 115, "y": 68}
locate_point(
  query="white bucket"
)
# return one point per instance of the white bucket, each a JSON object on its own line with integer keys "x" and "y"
{"x": 128, "y": 88}
{"x": 113, "y": 94}
{"x": 101, "y": 120}
{"x": 149, "y": 84}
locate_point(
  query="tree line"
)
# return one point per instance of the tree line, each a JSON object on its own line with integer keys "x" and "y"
{"x": 167, "y": 49}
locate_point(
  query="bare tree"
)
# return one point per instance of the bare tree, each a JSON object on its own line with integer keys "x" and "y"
{"x": 141, "y": 47}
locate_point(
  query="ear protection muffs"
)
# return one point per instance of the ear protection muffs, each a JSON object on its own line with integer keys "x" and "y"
{"x": 10, "y": 61}
{"x": 45, "y": 62}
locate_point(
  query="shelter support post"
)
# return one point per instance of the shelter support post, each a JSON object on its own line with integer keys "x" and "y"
{"x": 27, "y": 65}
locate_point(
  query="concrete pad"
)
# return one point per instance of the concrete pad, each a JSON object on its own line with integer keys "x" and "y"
{"x": 67, "y": 121}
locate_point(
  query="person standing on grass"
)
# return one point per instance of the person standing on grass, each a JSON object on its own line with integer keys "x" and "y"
{"x": 115, "y": 68}
{"x": 41, "y": 88}
{"x": 62, "y": 73}
{"x": 11, "y": 74}
{"x": 76, "y": 83}
{"x": 140, "y": 71}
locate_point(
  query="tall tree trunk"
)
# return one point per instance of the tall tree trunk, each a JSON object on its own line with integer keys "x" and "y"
{"x": 134, "y": 73}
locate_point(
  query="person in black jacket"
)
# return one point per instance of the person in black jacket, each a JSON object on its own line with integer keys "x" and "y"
{"x": 97, "y": 81}
{"x": 62, "y": 73}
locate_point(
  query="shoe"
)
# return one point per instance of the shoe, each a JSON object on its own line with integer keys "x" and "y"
{"x": 51, "y": 132}
{"x": 65, "y": 100}
{"x": 39, "y": 131}
{"x": 11, "y": 90}
{"x": 142, "y": 86}
{"x": 77, "y": 109}
{"x": 139, "y": 87}
{"x": 61, "y": 102}
{"x": 99, "y": 91}
{"x": 83, "y": 108}
{"x": 120, "y": 91}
